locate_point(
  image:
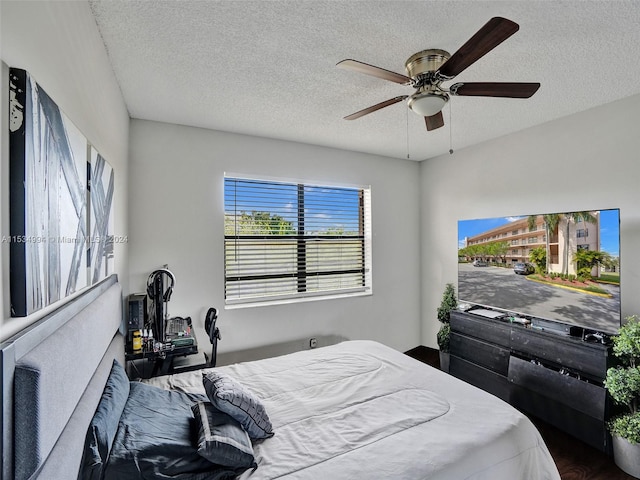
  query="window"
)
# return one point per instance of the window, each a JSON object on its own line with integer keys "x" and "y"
{"x": 582, "y": 233}
{"x": 292, "y": 240}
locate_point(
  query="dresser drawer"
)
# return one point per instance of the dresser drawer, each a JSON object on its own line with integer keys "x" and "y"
{"x": 480, "y": 377}
{"x": 584, "y": 397}
{"x": 566, "y": 351}
{"x": 489, "y": 330}
{"x": 490, "y": 356}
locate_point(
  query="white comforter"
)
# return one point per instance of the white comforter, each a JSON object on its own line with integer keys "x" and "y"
{"x": 361, "y": 410}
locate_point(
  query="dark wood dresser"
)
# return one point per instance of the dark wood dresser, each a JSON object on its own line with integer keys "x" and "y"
{"x": 551, "y": 373}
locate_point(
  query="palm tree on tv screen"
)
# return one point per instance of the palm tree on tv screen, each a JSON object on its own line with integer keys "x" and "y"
{"x": 575, "y": 217}
{"x": 551, "y": 221}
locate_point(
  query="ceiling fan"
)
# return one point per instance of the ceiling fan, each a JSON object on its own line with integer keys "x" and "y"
{"x": 428, "y": 69}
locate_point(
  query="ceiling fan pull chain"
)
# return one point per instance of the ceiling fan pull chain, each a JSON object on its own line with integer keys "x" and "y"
{"x": 407, "y": 116}
{"x": 450, "y": 131}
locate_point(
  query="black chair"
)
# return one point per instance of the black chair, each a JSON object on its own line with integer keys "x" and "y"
{"x": 181, "y": 364}
{"x": 214, "y": 335}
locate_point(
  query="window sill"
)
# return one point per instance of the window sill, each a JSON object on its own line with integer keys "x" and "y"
{"x": 285, "y": 301}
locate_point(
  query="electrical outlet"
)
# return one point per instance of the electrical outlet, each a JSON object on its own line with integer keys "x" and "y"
{"x": 313, "y": 343}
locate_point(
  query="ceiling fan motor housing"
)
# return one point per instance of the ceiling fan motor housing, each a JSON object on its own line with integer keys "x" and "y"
{"x": 421, "y": 67}
{"x": 425, "y": 61}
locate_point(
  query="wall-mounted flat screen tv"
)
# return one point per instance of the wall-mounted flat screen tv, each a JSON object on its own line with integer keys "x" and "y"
{"x": 563, "y": 267}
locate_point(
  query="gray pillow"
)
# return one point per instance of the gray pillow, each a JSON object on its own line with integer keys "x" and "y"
{"x": 104, "y": 424}
{"x": 221, "y": 439}
{"x": 230, "y": 397}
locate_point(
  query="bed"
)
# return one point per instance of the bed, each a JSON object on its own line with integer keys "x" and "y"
{"x": 357, "y": 409}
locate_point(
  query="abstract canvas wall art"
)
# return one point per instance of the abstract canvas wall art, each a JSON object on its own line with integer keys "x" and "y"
{"x": 101, "y": 240}
{"x": 48, "y": 212}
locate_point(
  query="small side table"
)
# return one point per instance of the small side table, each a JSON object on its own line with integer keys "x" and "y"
{"x": 161, "y": 361}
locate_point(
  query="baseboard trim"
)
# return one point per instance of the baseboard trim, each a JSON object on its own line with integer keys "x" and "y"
{"x": 275, "y": 350}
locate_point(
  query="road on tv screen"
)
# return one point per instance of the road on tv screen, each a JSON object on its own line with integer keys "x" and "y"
{"x": 502, "y": 288}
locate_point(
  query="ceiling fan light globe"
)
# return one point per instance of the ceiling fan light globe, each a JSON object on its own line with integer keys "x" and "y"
{"x": 427, "y": 104}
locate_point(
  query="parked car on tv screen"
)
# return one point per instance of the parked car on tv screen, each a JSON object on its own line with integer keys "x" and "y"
{"x": 523, "y": 268}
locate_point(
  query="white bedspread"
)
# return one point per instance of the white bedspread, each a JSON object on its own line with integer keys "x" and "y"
{"x": 361, "y": 410}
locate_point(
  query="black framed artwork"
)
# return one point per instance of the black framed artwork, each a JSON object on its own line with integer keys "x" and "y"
{"x": 50, "y": 221}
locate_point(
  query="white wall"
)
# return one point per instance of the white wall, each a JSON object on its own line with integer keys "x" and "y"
{"x": 59, "y": 44}
{"x": 176, "y": 217}
{"x": 590, "y": 160}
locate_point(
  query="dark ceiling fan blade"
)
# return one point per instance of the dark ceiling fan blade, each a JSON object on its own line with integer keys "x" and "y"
{"x": 373, "y": 108}
{"x": 434, "y": 121}
{"x": 494, "y": 32}
{"x": 378, "y": 72}
{"x": 494, "y": 89}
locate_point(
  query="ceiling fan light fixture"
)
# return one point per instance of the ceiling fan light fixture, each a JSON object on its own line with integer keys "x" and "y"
{"x": 428, "y": 103}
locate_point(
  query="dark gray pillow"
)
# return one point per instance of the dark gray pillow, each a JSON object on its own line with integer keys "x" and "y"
{"x": 104, "y": 424}
{"x": 230, "y": 397}
{"x": 221, "y": 439}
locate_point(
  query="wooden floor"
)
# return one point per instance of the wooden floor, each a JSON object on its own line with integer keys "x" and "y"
{"x": 575, "y": 460}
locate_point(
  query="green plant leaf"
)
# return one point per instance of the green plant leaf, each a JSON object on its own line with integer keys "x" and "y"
{"x": 626, "y": 426}
{"x": 626, "y": 345}
{"x": 623, "y": 384}
{"x": 443, "y": 337}
{"x": 449, "y": 302}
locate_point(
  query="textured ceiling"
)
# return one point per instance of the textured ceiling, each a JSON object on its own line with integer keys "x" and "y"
{"x": 267, "y": 68}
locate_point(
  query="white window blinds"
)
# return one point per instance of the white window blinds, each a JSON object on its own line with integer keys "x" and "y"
{"x": 289, "y": 240}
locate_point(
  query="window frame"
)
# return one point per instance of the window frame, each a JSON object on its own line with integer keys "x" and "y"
{"x": 302, "y": 241}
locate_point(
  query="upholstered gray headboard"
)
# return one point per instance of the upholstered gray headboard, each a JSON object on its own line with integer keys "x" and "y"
{"x": 53, "y": 374}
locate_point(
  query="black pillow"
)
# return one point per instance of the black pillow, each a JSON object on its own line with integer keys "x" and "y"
{"x": 230, "y": 397}
{"x": 104, "y": 424}
{"x": 221, "y": 439}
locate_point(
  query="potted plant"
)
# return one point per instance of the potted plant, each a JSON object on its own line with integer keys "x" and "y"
{"x": 449, "y": 302}
{"x": 623, "y": 384}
